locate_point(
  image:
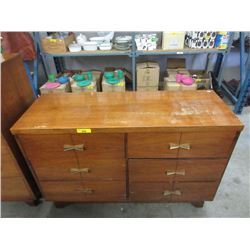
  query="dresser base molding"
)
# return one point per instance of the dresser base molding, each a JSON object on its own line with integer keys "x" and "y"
{"x": 198, "y": 204}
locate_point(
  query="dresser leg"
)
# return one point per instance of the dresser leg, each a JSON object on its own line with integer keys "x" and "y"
{"x": 61, "y": 204}
{"x": 33, "y": 203}
{"x": 198, "y": 203}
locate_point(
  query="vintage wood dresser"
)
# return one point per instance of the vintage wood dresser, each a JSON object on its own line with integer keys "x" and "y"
{"x": 128, "y": 147}
{"x": 17, "y": 181}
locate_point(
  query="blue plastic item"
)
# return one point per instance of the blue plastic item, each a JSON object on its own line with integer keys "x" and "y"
{"x": 113, "y": 81}
{"x": 63, "y": 79}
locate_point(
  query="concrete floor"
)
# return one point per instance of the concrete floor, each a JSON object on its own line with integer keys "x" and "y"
{"x": 232, "y": 198}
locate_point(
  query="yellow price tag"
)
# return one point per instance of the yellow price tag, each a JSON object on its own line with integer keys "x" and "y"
{"x": 90, "y": 87}
{"x": 121, "y": 84}
{"x": 52, "y": 40}
{"x": 83, "y": 130}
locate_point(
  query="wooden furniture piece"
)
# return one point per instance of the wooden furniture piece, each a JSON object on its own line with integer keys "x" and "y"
{"x": 133, "y": 146}
{"x": 17, "y": 182}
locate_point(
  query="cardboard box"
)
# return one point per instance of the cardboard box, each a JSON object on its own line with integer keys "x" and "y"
{"x": 119, "y": 87}
{"x": 147, "y": 89}
{"x": 51, "y": 45}
{"x": 178, "y": 65}
{"x": 148, "y": 74}
{"x": 76, "y": 89}
{"x": 63, "y": 88}
{"x": 173, "y": 40}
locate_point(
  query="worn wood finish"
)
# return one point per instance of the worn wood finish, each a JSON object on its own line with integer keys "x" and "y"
{"x": 16, "y": 97}
{"x": 140, "y": 147}
{"x": 128, "y": 112}
{"x": 78, "y": 191}
{"x": 152, "y": 145}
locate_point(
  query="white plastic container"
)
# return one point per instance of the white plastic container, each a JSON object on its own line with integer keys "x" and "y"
{"x": 74, "y": 47}
{"x": 97, "y": 39}
{"x": 90, "y": 46}
{"x": 105, "y": 46}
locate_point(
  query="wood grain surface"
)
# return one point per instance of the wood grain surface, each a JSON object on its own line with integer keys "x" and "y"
{"x": 128, "y": 112}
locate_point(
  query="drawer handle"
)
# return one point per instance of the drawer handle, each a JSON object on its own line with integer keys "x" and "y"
{"x": 178, "y": 172}
{"x": 167, "y": 192}
{"x": 79, "y": 170}
{"x": 182, "y": 146}
{"x": 79, "y": 147}
{"x": 85, "y": 190}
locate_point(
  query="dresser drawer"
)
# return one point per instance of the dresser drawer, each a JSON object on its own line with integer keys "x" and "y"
{"x": 148, "y": 192}
{"x": 159, "y": 170}
{"x": 48, "y": 150}
{"x": 67, "y": 150}
{"x": 194, "y": 191}
{"x": 15, "y": 188}
{"x": 152, "y": 145}
{"x": 200, "y": 169}
{"x": 99, "y": 169}
{"x": 151, "y": 170}
{"x": 84, "y": 191}
{"x": 206, "y": 144}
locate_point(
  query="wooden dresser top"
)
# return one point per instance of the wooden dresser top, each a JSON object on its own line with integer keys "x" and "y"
{"x": 127, "y": 112}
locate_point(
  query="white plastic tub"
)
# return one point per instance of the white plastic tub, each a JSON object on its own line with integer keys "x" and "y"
{"x": 90, "y": 46}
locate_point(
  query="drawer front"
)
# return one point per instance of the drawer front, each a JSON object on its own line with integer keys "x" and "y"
{"x": 103, "y": 170}
{"x": 15, "y": 189}
{"x": 200, "y": 169}
{"x": 57, "y": 173}
{"x": 84, "y": 191}
{"x": 151, "y": 170}
{"x": 207, "y": 144}
{"x": 148, "y": 192}
{"x": 9, "y": 166}
{"x": 48, "y": 150}
{"x": 152, "y": 145}
{"x": 194, "y": 191}
{"x": 99, "y": 146}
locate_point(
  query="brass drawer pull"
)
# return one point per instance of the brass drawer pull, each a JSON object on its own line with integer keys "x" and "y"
{"x": 85, "y": 190}
{"x": 182, "y": 146}
{"x": 167, "y": 192}
{"x": 79, "y": 147}
{"x": 178, "y": 172}
{"x": 79, "y": 170}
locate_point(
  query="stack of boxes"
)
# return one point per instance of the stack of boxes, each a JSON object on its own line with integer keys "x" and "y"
{"x": 200, "y": 39}
{"x": 148, "y": 74}
{"x": 201, "y": 79}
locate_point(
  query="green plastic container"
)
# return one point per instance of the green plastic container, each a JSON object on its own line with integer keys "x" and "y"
{"x": 108, "y": 75}
{"x": 83, "y": 83}
{"x": 113, "y": 81}
{"x": 120, "y": 74}
{"x": 78, "y": 77}
{"x": 90, "y": 75}
{"x": 51, "y": 78}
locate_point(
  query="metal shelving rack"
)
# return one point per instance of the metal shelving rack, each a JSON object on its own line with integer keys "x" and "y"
{"x": 134, "y": 54}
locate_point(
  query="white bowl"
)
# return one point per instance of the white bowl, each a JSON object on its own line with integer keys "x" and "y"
{"x": 97, "y": 39}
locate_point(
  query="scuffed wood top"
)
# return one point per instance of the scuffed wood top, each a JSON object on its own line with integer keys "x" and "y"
{"x": 127, "y": 112}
